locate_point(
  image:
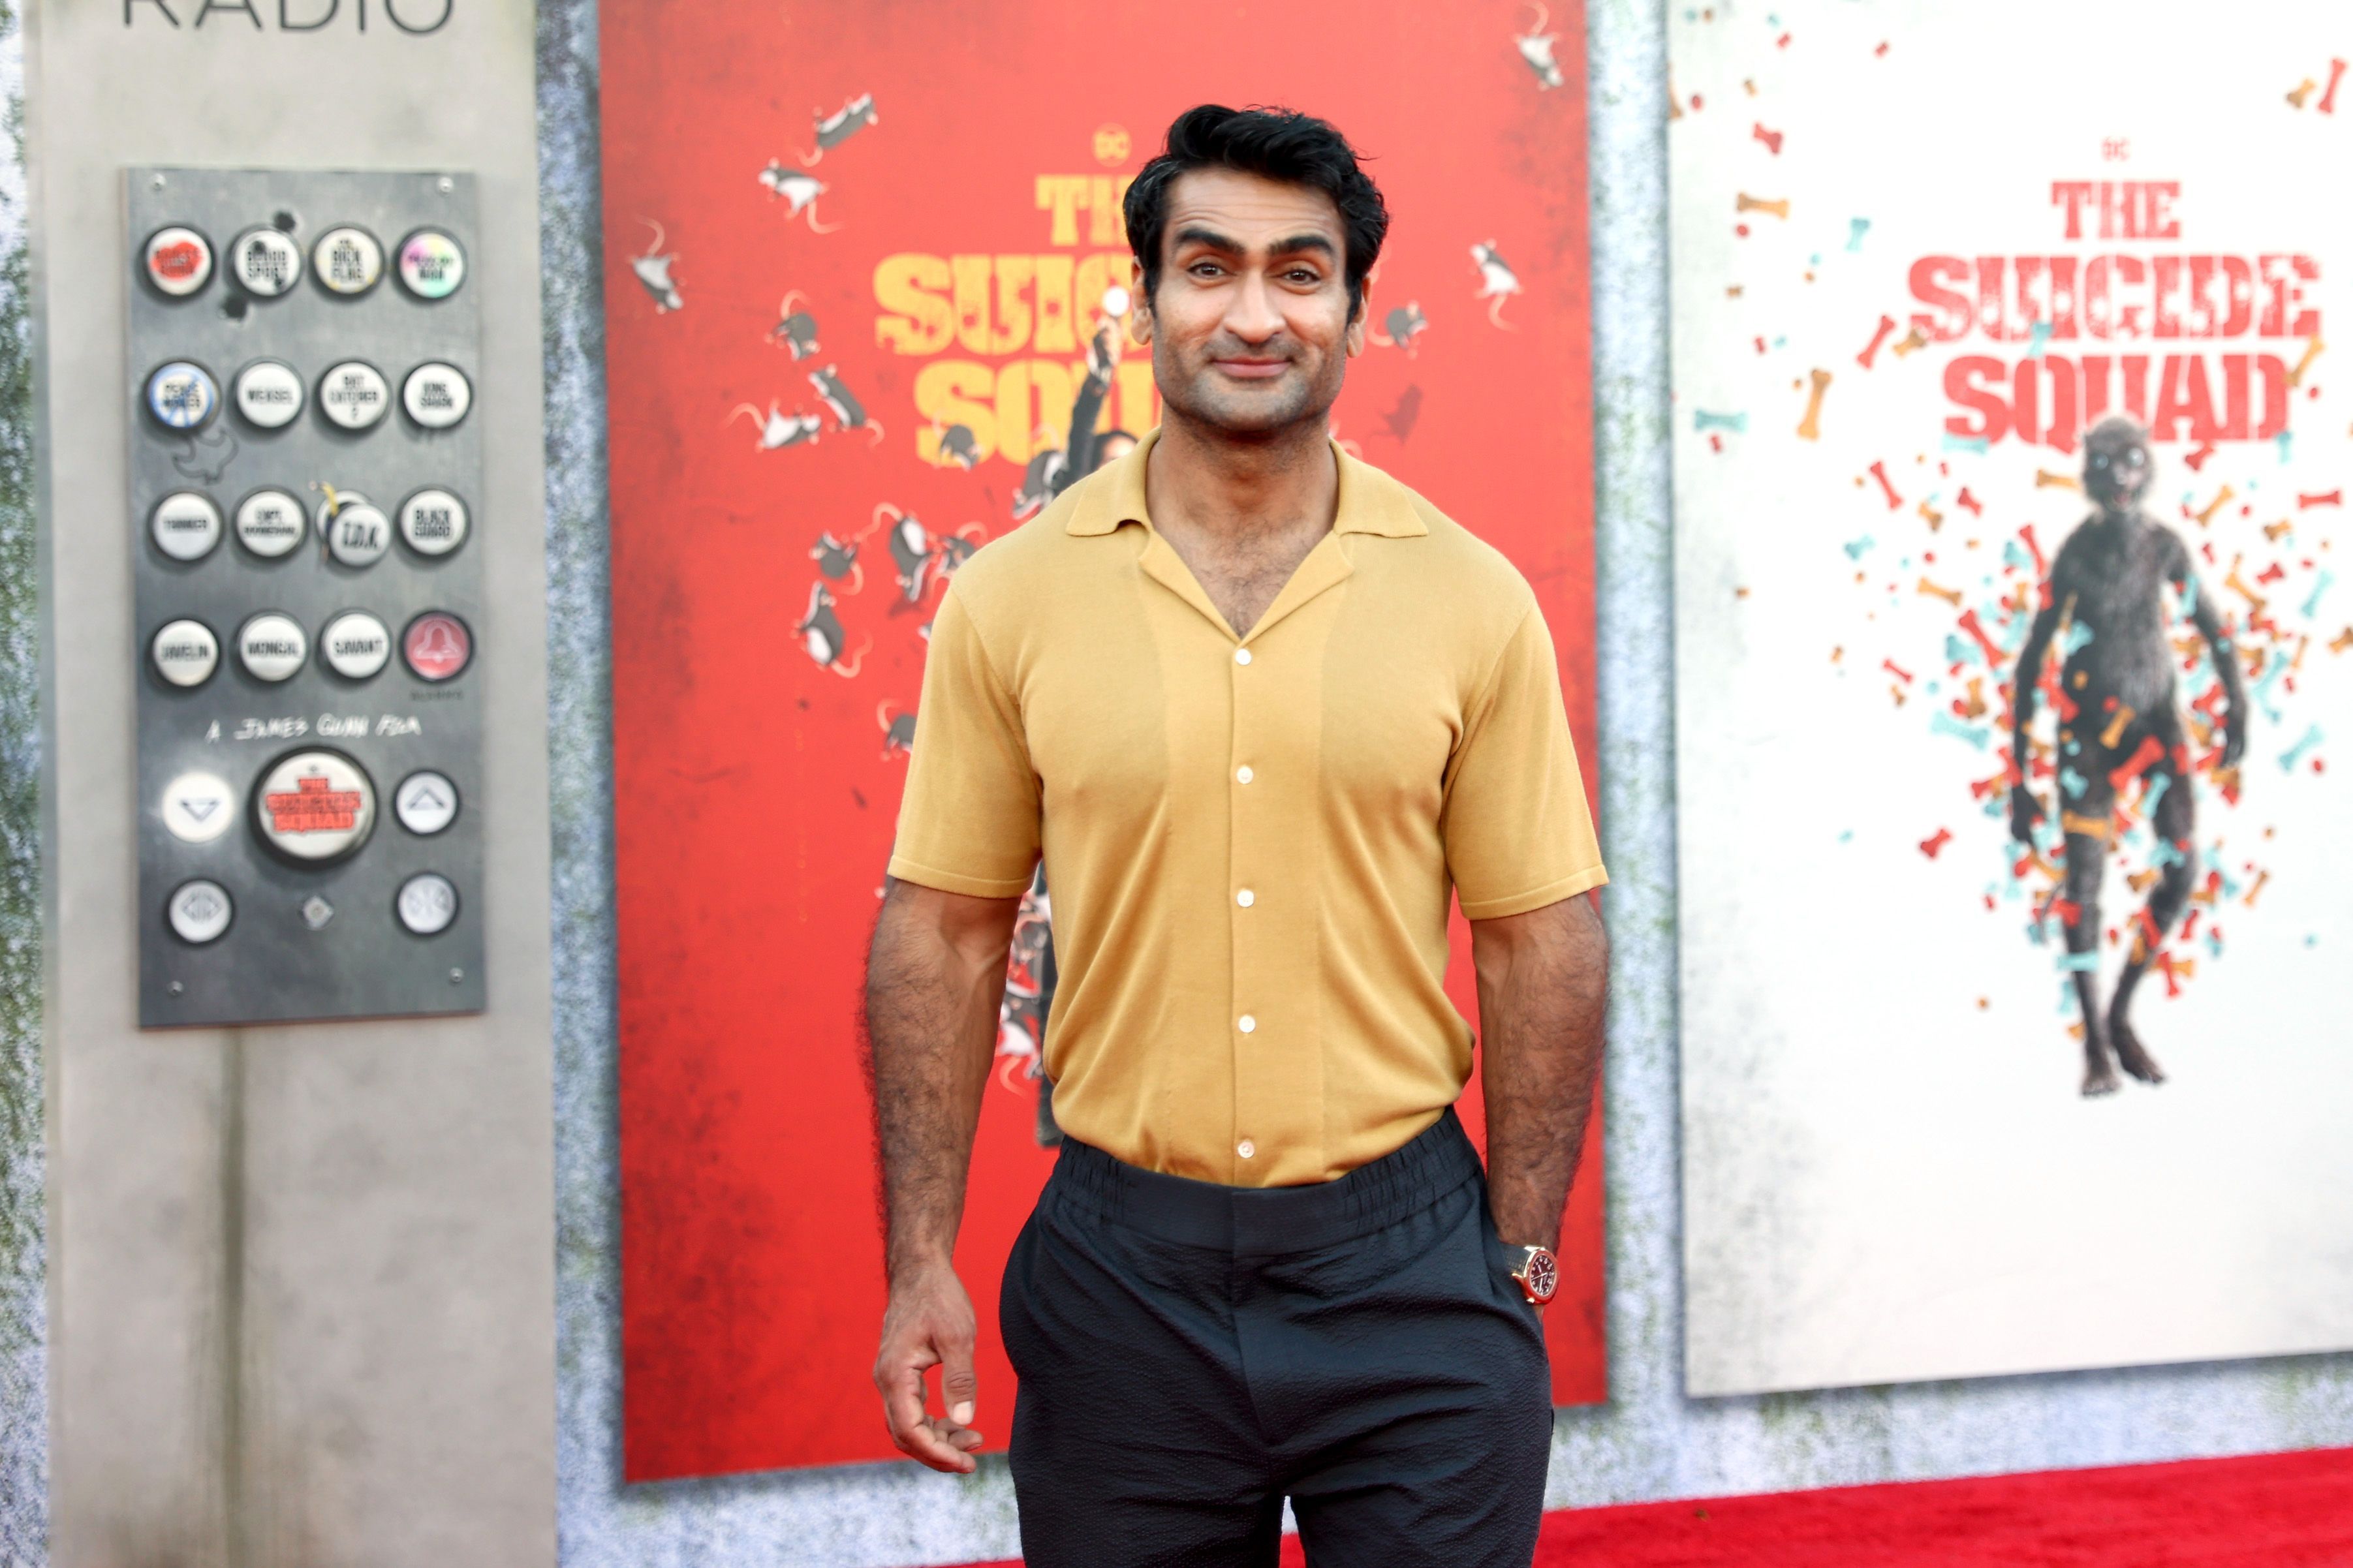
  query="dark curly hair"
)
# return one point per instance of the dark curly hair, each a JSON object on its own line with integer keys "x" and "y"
{"x": 1278, "y": 144}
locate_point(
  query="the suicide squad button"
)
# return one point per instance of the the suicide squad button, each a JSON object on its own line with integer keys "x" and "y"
{"x": 354, "y": 394}
{"x": 431, "y": 264}
{"x": 198, "y": 807}
{"x": 436, "y": 395}
{"x": 182, "y": 396}
{"x": 185, "y": 526}
{"x": 186, "y": 653}
{"x": 436, "y": 645}
{"x": 265, "y": 262}
{"x": 426, "y": 904}
{"x": 356, "y": 531}
{"x": 356, "y": 645}
{"x": 272, "y": 647}
{"x": 433, "y": 522}
{"x": 268, "y": 393}
{"x": 179, "y": 261}
{"x": 314, "y": 805}
{"x": 348, "y": 260}
{"x": 198, "y": 911}
{"x": 270, "y": 523}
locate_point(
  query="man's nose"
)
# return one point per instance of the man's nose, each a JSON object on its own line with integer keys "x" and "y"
{"x": 1252, "y": 316}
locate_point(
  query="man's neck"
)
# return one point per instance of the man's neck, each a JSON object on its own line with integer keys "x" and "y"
{"x": 1204, "y": 483}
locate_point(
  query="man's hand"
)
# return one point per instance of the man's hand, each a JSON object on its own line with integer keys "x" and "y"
{"x": 929, "y": 1323}
{"x": 2025, "y": 815}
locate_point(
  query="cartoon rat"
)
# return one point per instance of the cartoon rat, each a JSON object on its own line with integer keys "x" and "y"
{"x": 833, "y": 130}
{"x": 1497, "y": 281}
{"x": 800, "y": 193}
{"x": 848, "y": 413}
{"x": 796, "y": 327}
{"x": 653, "y": 270}
{"x": 779, "y": 429}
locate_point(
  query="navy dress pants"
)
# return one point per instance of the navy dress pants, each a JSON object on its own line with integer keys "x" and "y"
{"x": 1191, "y": 1355}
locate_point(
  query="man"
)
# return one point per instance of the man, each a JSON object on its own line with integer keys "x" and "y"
{"x": 2119, "y": 720}
{"x": 1261, "y": 706}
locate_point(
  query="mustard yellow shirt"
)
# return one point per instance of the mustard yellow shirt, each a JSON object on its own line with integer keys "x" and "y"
{"x": 1249, "y": 840}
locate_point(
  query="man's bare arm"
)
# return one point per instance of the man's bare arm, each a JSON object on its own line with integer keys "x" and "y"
{"x": 934, "y": 978}
{"x": 1544, "y": 980}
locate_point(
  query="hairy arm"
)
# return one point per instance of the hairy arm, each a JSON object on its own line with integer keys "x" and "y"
{"x": 2226, "y": 658}
{"x": 1542, "y": 981}
{"x": 934, "y": 978}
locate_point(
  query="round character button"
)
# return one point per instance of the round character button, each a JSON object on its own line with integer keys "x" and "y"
{"x": 270, "y": 523}
{"x": 185, "y": 526}
{"x": 198, "y": 911}
{"x": 265, "y": 262}
{"x": 348, "y": 260}
{"x": 356, "y": 645}
{"x": 269, "y": 393}
{"x": 272, "y": 647}
{"x": 425, "y": 803}
{"x": 356, "y": 531}
{"x": 184, "y": 653}
{"x": 179, "y": 261}
{"x": 428, "y": 903}
{"x": 354, "y": 394}
{"x": 182, "y": 396}
{"x": 436, "y": 395}
{"x": 433, "y": 522}
{"x": 198, "y": 807}
{"x": 314, "y": 805}
{"x": 431, "y": 264}
{"x": 436, "y": 645}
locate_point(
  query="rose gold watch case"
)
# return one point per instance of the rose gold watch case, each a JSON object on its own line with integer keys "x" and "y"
{"x": 1539, "y": 1277}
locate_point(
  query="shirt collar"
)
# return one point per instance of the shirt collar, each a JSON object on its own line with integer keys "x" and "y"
{"x": 1370, "y": 501}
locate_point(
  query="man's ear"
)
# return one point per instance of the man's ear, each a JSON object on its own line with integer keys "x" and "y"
{"x": 1139, "y": 307}
{"x": 1363, "y": 318}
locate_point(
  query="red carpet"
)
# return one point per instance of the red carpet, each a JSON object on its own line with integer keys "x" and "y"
{"x": 2273, "y": 1511}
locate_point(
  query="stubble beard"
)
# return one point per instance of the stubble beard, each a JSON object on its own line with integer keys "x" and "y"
{"x": 1192, "y": 392}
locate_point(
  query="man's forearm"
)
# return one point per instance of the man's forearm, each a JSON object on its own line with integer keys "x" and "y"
{"x": 933, "y": 982}
{"x": 1543, "y": 986}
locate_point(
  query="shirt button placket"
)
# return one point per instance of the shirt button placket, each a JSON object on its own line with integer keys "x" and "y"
{"x": 1245, "y": 1024}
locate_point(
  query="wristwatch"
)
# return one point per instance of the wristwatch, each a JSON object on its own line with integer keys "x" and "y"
{"x": 1539, "y": 1277}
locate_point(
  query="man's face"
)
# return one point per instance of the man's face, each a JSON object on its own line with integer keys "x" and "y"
{"x": 1250, "y": 330}
{"x": 2117, "y": 472}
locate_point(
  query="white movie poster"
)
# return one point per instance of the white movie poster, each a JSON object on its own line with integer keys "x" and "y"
{"x": 2015, "y": 641}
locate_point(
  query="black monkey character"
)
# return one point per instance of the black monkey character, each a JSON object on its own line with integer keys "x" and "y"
{"x": 2118, "y": 720}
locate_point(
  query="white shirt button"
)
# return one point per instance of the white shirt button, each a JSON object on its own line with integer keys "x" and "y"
{"x": 268, "y": 393}
{"x": 1242, "y": 656}
{"x": 1242, "y": 774}
{"x": 1246, "y": 1148}
{"x": 354, "y": 394}
{"x": 1247, "y": 1022}
{"x": 185, "y": 526}
{"x": 356, "y": 644}
{"x": 272, "y": 647}
{"x": 1245, "y": 897}
{"x": 186, "y": 653}
{"x": 436, "y": 395}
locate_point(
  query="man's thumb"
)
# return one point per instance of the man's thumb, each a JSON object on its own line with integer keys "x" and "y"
{"x": 958, "y": 1385}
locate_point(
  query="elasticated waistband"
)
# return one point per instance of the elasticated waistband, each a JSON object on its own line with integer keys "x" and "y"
{"x": 1264, "y": 1221}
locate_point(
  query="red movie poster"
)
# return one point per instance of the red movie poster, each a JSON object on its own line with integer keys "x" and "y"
{"x": 861, "y": 261}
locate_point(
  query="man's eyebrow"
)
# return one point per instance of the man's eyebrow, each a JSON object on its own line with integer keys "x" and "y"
{"x": 1195, "y": 235}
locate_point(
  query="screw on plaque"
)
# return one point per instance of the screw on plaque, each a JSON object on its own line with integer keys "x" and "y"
{"x": 174, "y": 988}
{"x": 456, "y": 975}
{"x": 317, "y": 911}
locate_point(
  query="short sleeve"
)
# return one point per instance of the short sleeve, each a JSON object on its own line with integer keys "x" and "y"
{"x": 969, "y": 821}
{"x": 1517, "y": 830}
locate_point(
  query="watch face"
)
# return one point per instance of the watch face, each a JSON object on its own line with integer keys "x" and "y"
{"x": 1543, "y": 1277}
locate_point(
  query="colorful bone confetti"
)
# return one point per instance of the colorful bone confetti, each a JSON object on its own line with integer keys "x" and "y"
{"x": 2311, "y": 351}
{"x": 1810, "y": 428}
{"x": 2044, "y": 479}
{"x": 2294, "y": 754}
{"x": 1702, "y": 419}
{"x": 1856, "y": 227}
{"x": 1772, "y": 139}
{"x": 1779, "y": 208}
{"x": 1871, "y": 350}
{"x": 1878, "y": 470}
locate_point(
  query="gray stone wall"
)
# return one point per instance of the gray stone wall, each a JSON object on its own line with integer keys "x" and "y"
{"x": 1648, "y": 1442}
